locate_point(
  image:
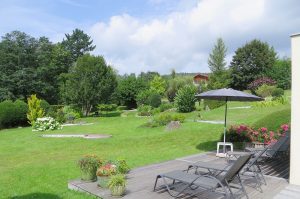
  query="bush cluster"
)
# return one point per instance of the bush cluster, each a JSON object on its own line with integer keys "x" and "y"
{"x": 213, "y": 104}
{"x": 109, "y": 110}
{"x": 165, "y": 118}
{"x": 265, "y": 90}
{"x": 261, "y": 81}
{"x": 13, "y": 113}
{"x": 149, "y": 97}
{"x": 144, "y": 110}
{"x": 185, "y": 99}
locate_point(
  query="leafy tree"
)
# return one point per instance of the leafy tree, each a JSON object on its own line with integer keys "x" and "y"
{"x": 78, "y": 43}
{"x": 128, "y": 88}
{"x": 148, "y": 97}
{"x": 158, "y": 85}
{"x": 34, "y": 109}
{"x": 175, "y": 84}
{"x": 148, "y": 77}
{"x": 219, "y": 78}
{"x": 185, "y": 99}
{"x": 251, "y": 61}
{"x": 90, "y": 82}
{"x": 281, "y": 71}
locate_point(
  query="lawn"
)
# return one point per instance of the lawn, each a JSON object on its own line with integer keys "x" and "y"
{"x": 37, "y": 167}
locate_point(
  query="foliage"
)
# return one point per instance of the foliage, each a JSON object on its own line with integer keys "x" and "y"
{"x": 165, "y": 106}
{"x": 70, "y": 113}
{"x": 128, "y": 89}
{"x": 45, "y": 106}
{"x": 90, "y": 81}
{"x": 277, "y": 92}
{"x": 185, "y": 99}
{"x": 144, "y": 110}
{"x": 243, "y": 133}
{"x": 154, "y": 100}
{"x": 122, "y": 108}
{"x": 6, "y": 113}
{"x": 216, "y": 60}
{"x": 21, "y": 109}
{"x": 34, "y": 109}
{"x": 122, "y": 166}
{"x": 158, "y": 85}
{"x": 250, "y": 62}
{"x": 175, "y": 84}
{"x": 147, "y": 77}
{"x": 107, "y": 107}
{"x": 78, "y": 43}
{"x": 261, "y": 81}
{"x": 213, "y": 104}
{"x": 265, "y": 90}
{"x": 281, "y": 71}
{"x": 31, "y": 65}
{"x": 110, "y": 113}
{"x": 269, "y": 102}
{"x": 165, "y": 118}
{"x": 217, "y": 80}
{"x": 88, "y": 166}
{"x": 149, "y": 97}
{"x": 117, "y": 180}
{"x": 46, "y": 124}
{"x": 107, "y": 169}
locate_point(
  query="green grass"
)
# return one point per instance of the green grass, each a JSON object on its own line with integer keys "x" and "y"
{"x": 36, "y": 167}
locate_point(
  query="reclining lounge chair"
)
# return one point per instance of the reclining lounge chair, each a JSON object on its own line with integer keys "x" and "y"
{"x": 200, "y": 183}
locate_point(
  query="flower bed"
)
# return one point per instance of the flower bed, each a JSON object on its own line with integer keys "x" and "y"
{"x": 242, "y": 134}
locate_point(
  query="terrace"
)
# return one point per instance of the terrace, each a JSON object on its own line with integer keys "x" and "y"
{"x": 141, "y": 180}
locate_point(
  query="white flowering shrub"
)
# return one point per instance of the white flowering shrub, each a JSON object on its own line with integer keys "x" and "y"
{"x": 45, "y": 124}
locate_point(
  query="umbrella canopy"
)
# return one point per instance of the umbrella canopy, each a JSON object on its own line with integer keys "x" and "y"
{"x": 228, "y": 94}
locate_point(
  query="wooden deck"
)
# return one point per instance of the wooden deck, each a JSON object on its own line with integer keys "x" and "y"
{"x": 141, "y": 180}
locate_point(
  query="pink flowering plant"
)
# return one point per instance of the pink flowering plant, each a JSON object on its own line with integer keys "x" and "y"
{"x": 243, "y": 133}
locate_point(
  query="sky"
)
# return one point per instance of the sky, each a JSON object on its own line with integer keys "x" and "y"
{"x": 157, "y": 35}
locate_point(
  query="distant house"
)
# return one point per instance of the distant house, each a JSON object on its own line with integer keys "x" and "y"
{"x": 201, "y": 77}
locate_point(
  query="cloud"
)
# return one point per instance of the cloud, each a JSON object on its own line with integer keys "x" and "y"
{"x": 183, "y": 39}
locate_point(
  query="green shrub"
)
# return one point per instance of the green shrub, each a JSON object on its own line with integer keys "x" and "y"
{"x": 155, "y": 111}
{"x": 122, "y": 108}
{"x": 144, "y": 110}
{"x": 110, "y": 114}
{"x": 34, "y": 109}
{"x": 165, "y": 106}
{"x": 265, "y": 90}
{"x": 269, "y": 102}
{"x": 213, "y": 104}
{"x": 278, "y": 92}
{"x": 165, "y": 118}
{"x": 148, "y": 97}
{"x": 122, "y": 166}
{"x": 56, "y": 112}
{"x": 107, "y": 107}
{"x": 7, "y": 114}
{"x": 154, "y": 100}
{"x": 185, "y": 99}
{"x": 21, "y": 108}
{"x": 70, "y": 114}
{"x": 45, "y": 106}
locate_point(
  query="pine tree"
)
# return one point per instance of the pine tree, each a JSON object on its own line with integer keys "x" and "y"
{"x": 216, "y": 60}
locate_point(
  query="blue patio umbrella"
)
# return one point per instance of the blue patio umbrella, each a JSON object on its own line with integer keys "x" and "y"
{"x": 228, "y": 94}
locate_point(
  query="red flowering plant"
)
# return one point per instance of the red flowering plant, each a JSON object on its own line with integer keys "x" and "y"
{"x": 243, "y": 133}
{"x": 107, "y": 169}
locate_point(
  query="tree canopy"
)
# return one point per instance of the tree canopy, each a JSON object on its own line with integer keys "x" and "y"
{"x": 90, "y": 82}
{"x": 251, "y": 61}
{"x": 78, "y": 43}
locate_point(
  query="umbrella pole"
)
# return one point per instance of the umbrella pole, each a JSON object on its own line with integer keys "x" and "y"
{"x": 225, "y": 123}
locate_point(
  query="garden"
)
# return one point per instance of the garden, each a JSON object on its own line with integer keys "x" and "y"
{"x": 147, "y": 118}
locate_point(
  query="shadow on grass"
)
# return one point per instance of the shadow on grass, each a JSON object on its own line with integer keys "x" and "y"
{"x": 37, "y": 196}
{"x": 207, "y": 146}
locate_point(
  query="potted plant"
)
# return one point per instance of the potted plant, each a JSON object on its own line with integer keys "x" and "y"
{"x": 117, "y": 185}
{"x": 104, "y": 172}
{"x": 122, "y": 166}
{"x": 88, "y": 166}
